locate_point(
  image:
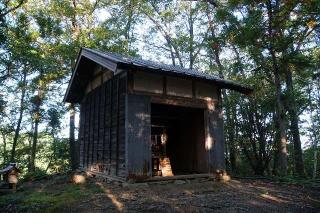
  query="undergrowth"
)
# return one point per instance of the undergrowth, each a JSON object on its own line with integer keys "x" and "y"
{"x": 47, "y": 195}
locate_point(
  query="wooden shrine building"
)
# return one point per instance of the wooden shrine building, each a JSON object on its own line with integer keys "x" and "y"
{"x": 140, "y": 119}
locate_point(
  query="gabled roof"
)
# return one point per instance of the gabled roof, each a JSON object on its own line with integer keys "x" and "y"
{"x": 112, "y": 61}
{"x": 11, "y": 166}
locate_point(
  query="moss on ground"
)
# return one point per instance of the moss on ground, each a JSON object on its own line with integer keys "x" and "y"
{"x": 59, "y": 194}
{"x": 47, "y": 196}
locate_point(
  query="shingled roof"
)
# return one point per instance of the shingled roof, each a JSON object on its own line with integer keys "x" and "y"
{"x": 112, "y": 61}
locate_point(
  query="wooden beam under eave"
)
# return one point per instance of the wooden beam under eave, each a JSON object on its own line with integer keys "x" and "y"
{"x": 130, "y": 81}
{"x": 164, "y": 83}
{"x": 178, "y": 101}
{"x": 193, "y": 89}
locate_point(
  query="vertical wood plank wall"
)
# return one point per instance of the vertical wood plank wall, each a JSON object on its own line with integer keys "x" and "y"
{"x": 81, "y": 135}
{"x": 138, "y": 132}
{"x": 115, "y": 131}
{"x": 216, "y": 158}
{"x": 101, "y": 133}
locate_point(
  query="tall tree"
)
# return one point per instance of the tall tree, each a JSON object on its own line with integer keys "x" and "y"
{"x": 21, "y": 110}
{"x": 266, "y": 31}
{"x": 18, "y": 45}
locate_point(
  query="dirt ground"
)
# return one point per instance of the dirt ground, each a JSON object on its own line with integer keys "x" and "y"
{"x": 59, "y": 194}
{"x": 205, "y": 196}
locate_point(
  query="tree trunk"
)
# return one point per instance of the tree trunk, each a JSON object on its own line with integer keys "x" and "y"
{"x": 34, "y": 147}
{"x": 232, "y": 149}
{"x": 191, "y": 37}
{"x": 30, "y": 138}
{"x": 4, "y": 138}
{"x": 294, "y": 126}
{"x": 75, "y": 28}
{"x": 167, "y": 37}
{"x": 72, "y": 144}
{"x": 282, "y": 162}
{"x": 175, "y": 48}
{"x": 17, "y": 130}
{"x": 314, "y": 133}
{"x": 231, "y": 145}
{"x": 280, "y": 116}
{"x": 35, "y": 133}
{"x": 128, "y": 25}
{"x": 172, "y": 56}
{"x": 316, "y": 138}
{"x": 315, "y": 160}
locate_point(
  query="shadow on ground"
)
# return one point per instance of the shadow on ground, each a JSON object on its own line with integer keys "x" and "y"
{"x": 59, "y": 194}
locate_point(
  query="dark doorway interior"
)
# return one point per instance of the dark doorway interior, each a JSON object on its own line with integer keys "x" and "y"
{"x": 178, "y": 144}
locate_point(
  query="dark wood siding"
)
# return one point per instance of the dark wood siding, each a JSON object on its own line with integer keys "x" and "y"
{"x": 96, "y": 126}
{"x": 81, "y": 136}
{"x": 216, "y": 156}
{"x": 101, "y": 124}
{"x": 115, "y": 129}
{"x": 121, "y": 131}
{"x": 91, "y": 128}
{"x": 101, "y": 133}
{"x": 85, "y": 121}
{"x": 138, "y": 131}
{"x": 114, "y": 125}
{"x": 108, "y": 129}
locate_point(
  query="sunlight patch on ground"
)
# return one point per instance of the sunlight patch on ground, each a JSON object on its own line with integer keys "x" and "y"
{"x": 236, "y": 181}
{"x": 313, "y": 199}
{"x": 188, "y": 192}
{"x": 273, "y": 198}
{"x": 79, "y": 179}
{"x": 256, "y": 203}
{"x": 127, "y": 196}
{"x": 234, "y": 184}
{"x": 113, "y": 198}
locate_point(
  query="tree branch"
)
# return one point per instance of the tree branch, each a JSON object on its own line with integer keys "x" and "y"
{"x": 3, "y": 14}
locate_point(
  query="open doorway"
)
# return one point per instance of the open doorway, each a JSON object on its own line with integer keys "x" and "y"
{"x": 178, "y": 142}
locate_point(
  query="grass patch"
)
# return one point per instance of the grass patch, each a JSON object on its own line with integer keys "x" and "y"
{"x": 48, "y": 196}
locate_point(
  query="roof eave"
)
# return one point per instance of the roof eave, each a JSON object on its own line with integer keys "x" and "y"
{"x": 235, "y": 86}
{"x": 65, "y": 98}
{"x": 222, "y": 83}
{"x": 112, "y": 64}
{"x": 97, "y": 58}
{"x": 100, "y": 59}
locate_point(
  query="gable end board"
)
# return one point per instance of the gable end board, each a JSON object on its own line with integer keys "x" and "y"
{"x": 84, "y": 55}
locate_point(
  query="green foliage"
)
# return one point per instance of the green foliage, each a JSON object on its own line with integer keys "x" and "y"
{"x": 54, "y": 117}
{"x": 37, "y": 175}
{"x": 50, "y": 194}
{"x": 309, "y": 160}
{"x": 41, "y": 39}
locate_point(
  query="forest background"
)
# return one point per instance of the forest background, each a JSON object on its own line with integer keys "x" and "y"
{"x": 269, "y": 45}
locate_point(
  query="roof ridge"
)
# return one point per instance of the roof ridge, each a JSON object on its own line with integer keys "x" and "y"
{"x": 157, "y": 64}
